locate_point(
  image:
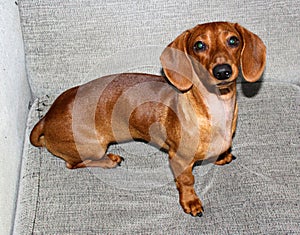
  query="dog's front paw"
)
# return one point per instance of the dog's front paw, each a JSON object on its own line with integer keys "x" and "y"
{"x": 225, "y": 158}
{"x": 191, "y": 204}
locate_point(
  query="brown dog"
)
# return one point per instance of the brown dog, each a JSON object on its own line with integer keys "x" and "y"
{"x": 191, "y": 113}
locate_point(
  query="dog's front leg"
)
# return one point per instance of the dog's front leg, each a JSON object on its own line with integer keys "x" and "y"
{"x": 188, "y": 198}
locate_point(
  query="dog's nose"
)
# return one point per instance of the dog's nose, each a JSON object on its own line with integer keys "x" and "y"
{"x": 222, "y": 71}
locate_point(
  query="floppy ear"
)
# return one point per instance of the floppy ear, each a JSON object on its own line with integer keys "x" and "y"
{"x": 176, "y": 63}
{"x": 253, "y": 56}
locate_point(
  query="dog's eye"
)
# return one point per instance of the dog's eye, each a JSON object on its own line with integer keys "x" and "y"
{"x": 233, "y": 41}
{"x": 199, "y": 46}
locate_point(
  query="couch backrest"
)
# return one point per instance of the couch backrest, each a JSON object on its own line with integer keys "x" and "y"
{"x": 71, "y": 42}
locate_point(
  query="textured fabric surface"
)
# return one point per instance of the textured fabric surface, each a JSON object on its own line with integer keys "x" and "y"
{"x": 67, "y": 41}
{"x": 258, "y": 193}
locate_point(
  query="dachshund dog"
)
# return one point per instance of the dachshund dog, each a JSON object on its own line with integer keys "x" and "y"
{"x": 190, "y": 112}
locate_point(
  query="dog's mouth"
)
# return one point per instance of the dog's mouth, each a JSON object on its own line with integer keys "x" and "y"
{"x": 225, "y": 87}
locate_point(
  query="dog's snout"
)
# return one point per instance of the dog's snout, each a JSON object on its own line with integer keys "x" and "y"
{"x": 222, "y": 71}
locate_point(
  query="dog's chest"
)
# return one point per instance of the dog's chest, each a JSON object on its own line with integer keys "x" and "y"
{"x": 221, "y": 119}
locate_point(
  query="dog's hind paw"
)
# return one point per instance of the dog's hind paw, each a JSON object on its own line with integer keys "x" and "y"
{"x": 116, "y": 159}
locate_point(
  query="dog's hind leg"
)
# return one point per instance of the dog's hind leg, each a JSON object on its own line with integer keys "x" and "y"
{"x": 107, "y": 161}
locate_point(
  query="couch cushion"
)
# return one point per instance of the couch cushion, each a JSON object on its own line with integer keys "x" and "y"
{"x": 66, "y": 41}
{"x": 257, "y": 193}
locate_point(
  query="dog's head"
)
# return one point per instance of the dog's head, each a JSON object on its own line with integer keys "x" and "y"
{"x": 214, "y": 52}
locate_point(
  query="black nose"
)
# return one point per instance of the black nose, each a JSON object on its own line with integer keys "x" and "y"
{"x": 222, "y": 71}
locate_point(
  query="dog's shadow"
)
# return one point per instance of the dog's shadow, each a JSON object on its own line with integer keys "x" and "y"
{"x": 251, "y": 89}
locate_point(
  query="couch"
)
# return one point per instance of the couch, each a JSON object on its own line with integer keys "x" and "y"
{"x": 48, "y": 46}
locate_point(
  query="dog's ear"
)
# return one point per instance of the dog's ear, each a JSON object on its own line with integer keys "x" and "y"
{"x": 176, "y": 63}
{"x": 253, "y": 56}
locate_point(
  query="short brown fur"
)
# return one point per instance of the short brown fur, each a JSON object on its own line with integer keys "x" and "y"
{"x": 173, "y": 112}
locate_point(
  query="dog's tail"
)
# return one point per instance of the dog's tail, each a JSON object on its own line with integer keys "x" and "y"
{"x": 37, "y": 134}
